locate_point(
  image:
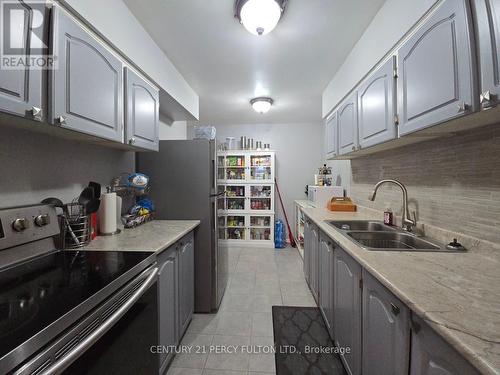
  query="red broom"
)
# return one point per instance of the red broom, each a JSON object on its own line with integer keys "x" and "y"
{"x": 290, "y": 234}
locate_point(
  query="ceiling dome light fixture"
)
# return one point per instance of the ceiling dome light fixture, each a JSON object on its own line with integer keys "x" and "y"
{"x": 262, "y": 104}
{"x": 259, "y": 16}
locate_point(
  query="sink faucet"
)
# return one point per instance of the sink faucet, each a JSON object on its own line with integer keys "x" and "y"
{"x": 408, "y": 223}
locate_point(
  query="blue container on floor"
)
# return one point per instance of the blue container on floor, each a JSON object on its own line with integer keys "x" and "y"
{"x": 279, "y": 235}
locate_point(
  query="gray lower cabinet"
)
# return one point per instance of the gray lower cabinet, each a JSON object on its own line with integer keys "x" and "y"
{"x": 186, "y": 282}
{"x": 87, "y": 85}
{"x": 314, "y": 270}
{"x": 175, "y": 295}
{"x": 347, "y": 122}
{"x": 326, "y": 282}
{"x": 431, "y": 355}
{"x": 142, "y": 103}
{"x": 436, "y": 72}
{"x": 331, "y": 134}
{"x": 307, "y": 250}
{"x": 386, "y": 330}
{"x": 487, "y": 15}
{"x": 347, "y": 304}
{"x": 21, "y": 88}
{"x": 376, "y": 106}
{"x": 167, "y": 303}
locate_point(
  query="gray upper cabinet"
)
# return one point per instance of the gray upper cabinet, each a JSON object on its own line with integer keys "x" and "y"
{"x": 21, "y": 88}
{"x": 431, "y": 355}
{"x": 386, "y": 330}
{"x": 347, "y": 122}
{"x": 376, "y": 106}
{"x": 347, "y": 305}
{"x": 487, "y": 13}
{"x": 331, "y": 135}
{"x": 436, "y": 76}
{"x": 326, "y": 251}
{"x": 87, "y": 86}
{"x": 167, "y": 302}
{"x": 186, "y": 282}
{"x": 142, "y": 103}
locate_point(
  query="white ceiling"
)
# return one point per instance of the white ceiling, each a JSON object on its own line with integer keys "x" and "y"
{"x": 227, "y": 66}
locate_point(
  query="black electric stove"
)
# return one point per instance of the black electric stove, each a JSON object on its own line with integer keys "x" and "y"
{"x": 44, "y": 292}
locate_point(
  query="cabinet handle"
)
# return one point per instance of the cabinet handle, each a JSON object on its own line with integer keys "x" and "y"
{"x": 35, "y": 111}
{"x": 131, "y": 141}
{"x": 485, "y": 99}
{"x": 61, "y": 120}
{"x": 395, "y": 309}
{"x": 462, "y": 107}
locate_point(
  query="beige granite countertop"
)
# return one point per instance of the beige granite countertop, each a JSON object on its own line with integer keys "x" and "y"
{"x": 458, "y": 294}
{"x": 154, "y": 236}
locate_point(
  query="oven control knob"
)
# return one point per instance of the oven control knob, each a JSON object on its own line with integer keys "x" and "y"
{"x": 20, "y": 224}
{"x": 42, "y": 220}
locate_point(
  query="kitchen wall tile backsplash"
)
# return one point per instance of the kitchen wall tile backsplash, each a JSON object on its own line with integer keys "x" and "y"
{"x": 34, "y": 166}
{"x": 453, "y": 183}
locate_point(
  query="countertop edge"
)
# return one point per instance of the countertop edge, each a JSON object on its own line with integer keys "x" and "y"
{"x": 446, "y": 333}
{"x": 112, "y": 243}
{"x": 181, "y": 234}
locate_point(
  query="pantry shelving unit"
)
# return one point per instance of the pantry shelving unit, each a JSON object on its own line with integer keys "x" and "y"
{"x": 246, "y": 210}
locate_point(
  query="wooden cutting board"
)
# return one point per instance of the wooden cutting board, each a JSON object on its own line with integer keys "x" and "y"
{"x": 342, "y": 204}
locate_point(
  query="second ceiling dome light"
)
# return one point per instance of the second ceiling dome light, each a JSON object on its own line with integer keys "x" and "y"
{"x": 259, "y": 16}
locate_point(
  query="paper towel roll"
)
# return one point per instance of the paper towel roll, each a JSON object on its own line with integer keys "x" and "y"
{"x": 107, "y": 213}
{"x": 119, "y": 223}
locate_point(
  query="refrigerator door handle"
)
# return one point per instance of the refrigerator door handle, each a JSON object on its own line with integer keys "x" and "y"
{"x": 218, "y": 194}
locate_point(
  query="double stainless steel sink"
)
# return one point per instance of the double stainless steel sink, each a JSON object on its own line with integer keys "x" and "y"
{"x": 376, "y": 236}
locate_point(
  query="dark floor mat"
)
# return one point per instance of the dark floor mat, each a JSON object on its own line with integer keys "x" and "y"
{"x": 303, "y": 329}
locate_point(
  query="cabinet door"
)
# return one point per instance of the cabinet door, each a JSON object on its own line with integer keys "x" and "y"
{"x": 347, "y": 121}
{"x": 436, "y": 73}
{"x": 487, "y": 14}
{"x": 186, "y": 283}
{"x": 376, "y": 101}
{"x": 326, "y": 248}
{"x": 261, "y": 167}
{"x": 386, "y": 330}
{"x": 331, "y": 136}
{"x": 167, "y": 303}
{"x": 314, "y": 261}
{"x": 347, "y": 305}
{"x": 260, "y": 198}
{"x": 307, "y": 250}
{"x": 431, "y": 355}
{"x": 21, "y": 88}
{"x": 87, "y": 86}
{"x": 142, "y": 103}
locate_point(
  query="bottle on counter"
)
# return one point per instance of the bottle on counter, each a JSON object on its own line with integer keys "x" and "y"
{"x": 388, "y": 217}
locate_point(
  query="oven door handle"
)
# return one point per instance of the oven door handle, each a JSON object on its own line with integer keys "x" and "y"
{"x": 78, "y": 350}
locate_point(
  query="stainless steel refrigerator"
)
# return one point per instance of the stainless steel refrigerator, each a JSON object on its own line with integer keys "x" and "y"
{"x": 183, "y": 176}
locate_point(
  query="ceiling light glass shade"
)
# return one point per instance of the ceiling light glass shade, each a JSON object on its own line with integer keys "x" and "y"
{"x": 260, "y": 16}
{"x": 261, "y": 105}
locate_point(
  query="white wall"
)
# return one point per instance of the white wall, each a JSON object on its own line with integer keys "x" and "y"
{"x": 115, "y": 21}
{"x": 298, "y": 155}
{"x": 390, "y": 25}
{"x": 172, "y": 130}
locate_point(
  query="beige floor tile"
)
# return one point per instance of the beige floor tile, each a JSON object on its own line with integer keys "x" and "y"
{"x": 263, "y": 361}
{"x": 236, "y": 361}
{"x": 262, "y": 324}
{"x": 198, "y": 346}
{"x": 234, "y": 323}
{"x": 203, "y": 323}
